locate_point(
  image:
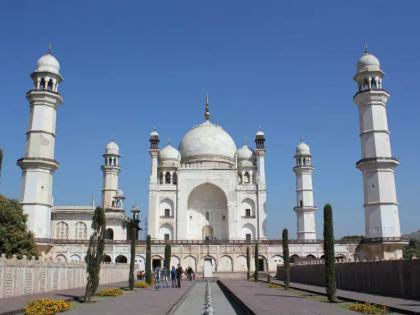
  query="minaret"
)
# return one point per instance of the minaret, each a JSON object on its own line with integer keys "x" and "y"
{"x": 154, "y": 153}
{"x": 382, "y": 224}
{"x": 261, "y": 188}
{"x": 305, "y": 209}
{"x": 153, "y": 186}
{"x": 111, "y": 169}
{"x": 39, "y": 164}
{"x": 260, "y": 151}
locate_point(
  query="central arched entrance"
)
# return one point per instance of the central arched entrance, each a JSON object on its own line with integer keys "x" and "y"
{"x": 207, "y": 213}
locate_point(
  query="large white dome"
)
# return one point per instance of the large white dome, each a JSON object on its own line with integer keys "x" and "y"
{"x": 207, "y": 140}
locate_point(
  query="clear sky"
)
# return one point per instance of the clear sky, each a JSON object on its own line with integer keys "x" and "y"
{"x": 284, "y": 65}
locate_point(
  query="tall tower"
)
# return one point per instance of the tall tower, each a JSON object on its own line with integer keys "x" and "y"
{"x": 111, "y": 169}
{"x": 39, "y": 164}
{"x": 153, "y": 186}
{"x": 382, "y": 224}
{"x": 112, "y": 197}
{"x": 305, "y": 209}
{"x": 261, "y": 185}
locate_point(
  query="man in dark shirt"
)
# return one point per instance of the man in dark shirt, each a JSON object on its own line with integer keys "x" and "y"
{"x": 179, "y": 272}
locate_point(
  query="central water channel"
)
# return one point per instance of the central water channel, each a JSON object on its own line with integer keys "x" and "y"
{"x": 195, "y": 302}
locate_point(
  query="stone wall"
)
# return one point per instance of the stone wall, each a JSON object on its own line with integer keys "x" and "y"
{"x": 398, "y": 278}
{"x": 29, "y": 276}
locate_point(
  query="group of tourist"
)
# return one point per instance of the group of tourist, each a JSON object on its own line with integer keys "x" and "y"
{"x": 175, "y": 274}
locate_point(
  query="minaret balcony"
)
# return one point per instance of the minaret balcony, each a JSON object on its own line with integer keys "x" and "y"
{"x": 37, "y": 162}
{"x": 377, "y": 162}
{"x": 44, "y": 95}
{"x": 305, "y": 209}
{"x": 365, "y": 96}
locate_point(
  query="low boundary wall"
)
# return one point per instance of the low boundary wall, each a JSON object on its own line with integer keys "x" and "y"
{"x": 28, "y": 276}
{"x": 399, "y": 278}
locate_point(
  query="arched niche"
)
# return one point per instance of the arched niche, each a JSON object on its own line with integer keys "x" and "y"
{"x": 211, "y": 199}
{"x": 248, "y": 231}
{"x": 166, "y": 232}
{"x": 248, "y": 208}
{"x": 166, "y": 208}
{"x": 121, "y": 259}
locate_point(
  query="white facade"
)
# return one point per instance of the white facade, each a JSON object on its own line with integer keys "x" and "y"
{"x": 207, "y": 196}
{"x": 305, "y": 208}
{"x": 208, "y": 190}
{"x": 39, "y": 164}
{"x": 377, "y": 163}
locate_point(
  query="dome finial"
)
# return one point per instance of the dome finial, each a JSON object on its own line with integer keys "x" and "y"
{"x": 207, "y": 113}
{"x": 245, "y": 141}
{"x": 366, "y": 49}
{"x": 50, "y": 48}
{"x": 169, "y": 140}
{"x": 301, "y": 138}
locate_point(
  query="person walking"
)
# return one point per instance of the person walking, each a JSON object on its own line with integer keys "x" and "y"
{"x": 157, "y": 278}
{"x": 173, "y": 277}
{"x": 179, "y": 272}
{"x": 189, "y": 273}
{"x": 164, "y": 277}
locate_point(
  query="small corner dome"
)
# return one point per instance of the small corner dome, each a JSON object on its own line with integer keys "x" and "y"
{"x": 245, "y": 153}
{"x": 48, "y": 63}
{"x": 368, "y": 60}
{"x": 120, "y": 193}
{"x": 207, "y": 140}
{"x": 154, "y": 133}
{"x": 302, "y": 149}
{"x": 169, "y": 153}
{"x": 112, "y": 148}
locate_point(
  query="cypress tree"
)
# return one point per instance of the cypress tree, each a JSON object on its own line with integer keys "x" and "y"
{"x": 257, "y": 265}
{"x": 329, "y": 254}
{"x": 95, "y": 252}
{"x": 286, "y": 259}
{"x": 1, "y": 159}
{"x": 167, "y": 260}
{"x": 149, "y": 260}
{"x": 133, "y": 231}
{"x": 248, "y": 263}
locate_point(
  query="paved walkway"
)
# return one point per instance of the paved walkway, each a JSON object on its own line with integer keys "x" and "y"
{"x": 141, "y": 301}
{"x": 264, "y": 300}
{"x": 15, "y": 305}
{"x": 397, "y": 304}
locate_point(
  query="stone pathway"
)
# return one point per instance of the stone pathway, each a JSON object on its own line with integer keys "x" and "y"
{"x": 15, "y": 305}
{"x": 193, "y": 304}
{"x": 261, "y": 299}
{"x": 141, "y": 301}
{"x": 402, "y": 305}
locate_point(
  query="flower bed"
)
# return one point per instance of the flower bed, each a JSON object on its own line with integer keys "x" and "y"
{"x": 46, "y": 307}
{"x": 368, "y": 308}
{"x": 110, "y": 292}
{"x": 141, "y": 284}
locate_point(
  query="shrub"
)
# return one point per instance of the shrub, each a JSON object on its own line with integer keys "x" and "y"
{"x": 46, "y": 307}
{"x": 110, "y": 292}
{"x": 368, "y": 308}
{"x": 141, "y": 284}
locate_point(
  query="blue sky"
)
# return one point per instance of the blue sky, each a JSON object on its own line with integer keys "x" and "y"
{"x": 286, "y": 66}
